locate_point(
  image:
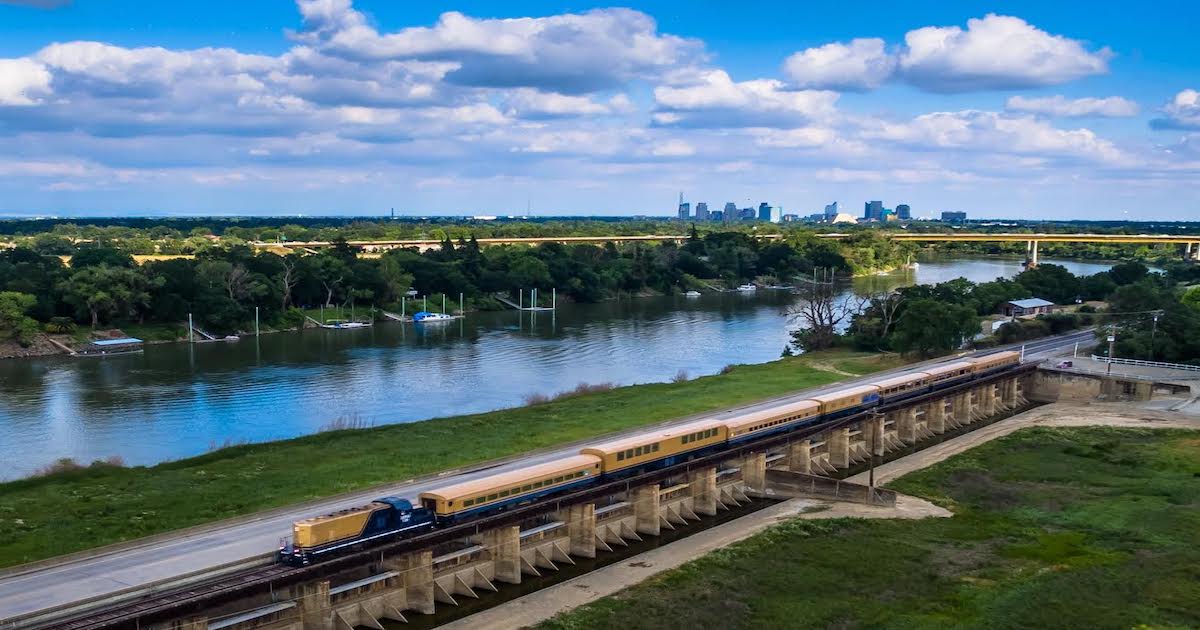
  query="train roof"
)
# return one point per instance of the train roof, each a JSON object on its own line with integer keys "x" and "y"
{"x": 1003, "y": 354}
{"x": 849, "y": 391}
{"x": 657, "y": 435}
{"x": 774, "y": 412}
{"x": 901, "y": 379}
{"x": 948, "y": 367}
{"x": 511, "y": 477}
{"x": 369, "y": 507}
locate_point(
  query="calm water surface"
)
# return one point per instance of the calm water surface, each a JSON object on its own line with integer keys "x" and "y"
{"x": 177, "y": 400}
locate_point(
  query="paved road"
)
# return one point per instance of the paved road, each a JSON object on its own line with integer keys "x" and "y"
{"x": 141, "y": 565}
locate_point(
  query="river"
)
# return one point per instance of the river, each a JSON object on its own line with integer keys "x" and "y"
{"x": 177, "y": 400}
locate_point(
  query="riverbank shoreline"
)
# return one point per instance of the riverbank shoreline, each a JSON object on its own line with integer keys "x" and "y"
{"x": 244, "y": 479}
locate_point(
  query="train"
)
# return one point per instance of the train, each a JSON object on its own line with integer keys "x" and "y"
{"x": 393, "y": 518}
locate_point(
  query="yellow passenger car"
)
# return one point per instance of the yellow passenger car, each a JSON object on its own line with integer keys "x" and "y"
{"x": 847, "y": 400}
{"x": 346, "y": 524}
{"x": 659, "y": 448}
{"x": 775, "y": 419}
{"x": 901, "y": 386}
{"x": 511, "y": 487}
{"x": 995, "y": 361}
{"x": 947, "y": 372}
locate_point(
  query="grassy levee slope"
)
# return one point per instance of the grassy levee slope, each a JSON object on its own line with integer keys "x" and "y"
{"x": 1053, "y": 528}
{"x": 71, "y": 511}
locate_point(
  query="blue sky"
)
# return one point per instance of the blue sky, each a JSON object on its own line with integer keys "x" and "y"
{"x": 1018, "y": 109}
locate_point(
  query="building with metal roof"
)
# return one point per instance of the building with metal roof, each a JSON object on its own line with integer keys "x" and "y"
{"x": 1030, "y": 306}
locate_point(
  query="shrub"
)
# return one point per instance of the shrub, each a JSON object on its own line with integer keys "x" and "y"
{"x": 60, "y": 466}
{"x": 346, "y": 423}
{"x": 536, "y": 399}
{"x": 60, "y": 325}
{"x": 680, "y": 377}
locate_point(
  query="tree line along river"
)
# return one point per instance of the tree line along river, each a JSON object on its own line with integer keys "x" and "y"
{"x": 178, "y": 400}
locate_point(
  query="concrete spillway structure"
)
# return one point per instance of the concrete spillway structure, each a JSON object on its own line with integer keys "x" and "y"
{"x": 394, "y": 586}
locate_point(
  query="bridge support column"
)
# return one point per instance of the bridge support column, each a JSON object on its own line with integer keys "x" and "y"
{"x": 504, "y": 547}
{"x": 906, "y": 425}
{"x": 192, "y": 623}
{"x": 935, "y": 416}
{"x": 872, "y": 430}
{"x": 800, "y": 456}
{"x": 581, "y": 528}
{"x": 754, "y": 473}
{"x": 989, "y": 400}
{"x": 316, "y": 611}
{"x": 1031, "y": 254}
{"x": 961, "y": 408}
{"x": 839, "y": 447}
{"x": 703, "y": 484}
{"x": 416, "y": 574}
{"x": 645, "y": 510}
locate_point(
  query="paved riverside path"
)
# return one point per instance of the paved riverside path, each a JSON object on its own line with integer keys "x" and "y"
{"x": 541, "y": 605}
{"x": 171, "y": 556}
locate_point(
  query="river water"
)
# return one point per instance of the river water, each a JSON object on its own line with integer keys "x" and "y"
{"x": 178, "y": 400}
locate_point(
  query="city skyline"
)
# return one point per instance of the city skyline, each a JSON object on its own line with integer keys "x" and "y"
{"x": 1021, "y": 111}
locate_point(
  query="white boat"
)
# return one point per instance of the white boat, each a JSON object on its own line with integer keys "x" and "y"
{"x": 747, "y": 288}
{"x": 424, "y": 317}
{"x": 340, "y": 324}
{"x": 692, "y": 294}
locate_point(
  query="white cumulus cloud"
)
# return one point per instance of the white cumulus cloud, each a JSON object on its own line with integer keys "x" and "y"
{"x": 22, "y": 81}
{"x": 568, "y": 53}
{"x": 1061, "y": 106}
{"x": 995, "y": 52}
{"x": 1183, "y": 112}
{"x": 994, "y": 132}
{"x": 861, "y": 64}
{"x": 716, "y": 100}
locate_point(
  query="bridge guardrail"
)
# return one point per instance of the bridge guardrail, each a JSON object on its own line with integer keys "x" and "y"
{"x": 1139, "y": 362}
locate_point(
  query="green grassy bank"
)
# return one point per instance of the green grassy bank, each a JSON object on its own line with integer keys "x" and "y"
{"x": 74, "y": 510}
{"x": 1054, "y": 528}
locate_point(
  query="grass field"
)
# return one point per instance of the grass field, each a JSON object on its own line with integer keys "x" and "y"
{"x": 1054, "y": 528}
{"x": 75, "y": 510}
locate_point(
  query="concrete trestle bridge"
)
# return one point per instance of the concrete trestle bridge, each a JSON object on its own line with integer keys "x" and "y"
{"x": 223, "y": 575}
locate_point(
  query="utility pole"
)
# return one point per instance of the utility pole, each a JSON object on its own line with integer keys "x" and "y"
{"x": 876, "y": 439}
{"x": 1153, "y": 334}
{"x": 1112, "y": 341}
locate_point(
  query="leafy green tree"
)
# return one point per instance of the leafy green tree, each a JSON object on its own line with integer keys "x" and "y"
{"x": 931, "y": 327}
{"x": 95, "y": 254}
{"x": 15, "y": 323}
{"x": 1051, "y": 282}
{"x": 1191, "y": 298}
{"x": 1128, "y": 273}
{"x": 102, "y": 292}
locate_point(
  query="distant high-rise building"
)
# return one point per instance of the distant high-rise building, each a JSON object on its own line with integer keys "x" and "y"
{"x": 831, "y": 210}
{"x": 717, "y": 215}
{"x": 702, "y": 211}
{"x": 954, "y": 217}
{"x": 747, "y": 214}
{"x": 764, "y": 211}
{"x": 873, "y": 211}
{"x": 776, "y": 215}
{"x": 791, "y": 218}
{"x": 731, "y": 212}
{"x": 685, "y": 209}
{"x": 903, "y": 212}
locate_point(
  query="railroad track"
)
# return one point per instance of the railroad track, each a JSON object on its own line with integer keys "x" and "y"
{"x": 175, "y": 602}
